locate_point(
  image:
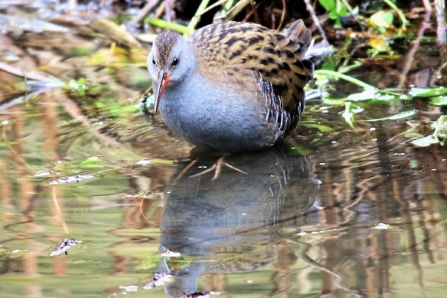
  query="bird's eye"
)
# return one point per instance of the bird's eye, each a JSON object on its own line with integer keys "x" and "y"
{"x": 175, "y": 62}
{"x": 153, "y": 61}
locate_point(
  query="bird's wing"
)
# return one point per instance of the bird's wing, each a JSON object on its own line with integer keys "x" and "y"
{"x": 244, "y": 50}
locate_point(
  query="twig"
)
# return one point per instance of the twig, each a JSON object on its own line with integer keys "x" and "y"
{"x": 316, "y": 21}
{"x": 21, "y": 99}
{"x": 255, "y": 12}
{"x": 283, "y": 14}
{"x": 441, "y": 32}
{"x": 24, "y": 74}
{"x": 59, "y": 214}
{"x": 6, "y": 42}
{"x": 351, "y": 11}
{"x": 399, "y": 13}
{"x": 193, "y": 23}
{"x": 338, "y": 278}
{"x": 250, "y": 14}
{"x": 75, "y": 112}
{"x": 410, "y": 56}
{"x": 170, "y": 14}
{"x": 160, "y": 10}
{"x": 114, "y": 32}
{"x": 427, "y": 5}
{"x": 149, "y": 7}
{"x": 220, "y": 2}
{"x": 346, "y": 78}
{"x": 236, "y": 9}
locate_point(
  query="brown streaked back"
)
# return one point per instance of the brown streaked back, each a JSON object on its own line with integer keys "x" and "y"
{"x": 240, "y": 49}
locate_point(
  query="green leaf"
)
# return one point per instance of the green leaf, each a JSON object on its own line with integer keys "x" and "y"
{"x": 320, "y": 127}
{"x": 426, "y": 141}
{"x": 343, "y": 11}
{"x": 386, "y": 97}
{"x": 329, "y": 5}
{"x": 348, "y": 114}
{"x": 91, "y": 163}
{"x": 399, "y": 116}
{"x": 333, "y": 15}
{"x": 388, "y": 18}
{"x": 334, "y": 101}
{"x": 427, "y": 92}
{"x": 440, "y": 126}
{"x": 338, "y": 23}
{"x": 330, "y": 63}
{"x": 121, "y": 110}
{"x": 382, "y": 19}
{"x": 365, "y": 95}
{"x": 403, "y": 115}
{"x": 439, "y": 136}
{"x": 295, "y": 151}
{"x": 167, "y": 25}
{"x": 78, "y": 85}
{"x": 439, "y": 101}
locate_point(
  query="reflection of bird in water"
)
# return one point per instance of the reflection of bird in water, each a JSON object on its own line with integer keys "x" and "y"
{"x": 232, "y": 224}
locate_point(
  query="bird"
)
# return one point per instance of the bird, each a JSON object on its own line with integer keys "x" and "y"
{"x": 231, "y": 86}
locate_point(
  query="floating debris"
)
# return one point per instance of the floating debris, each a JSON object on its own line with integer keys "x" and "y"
{"x": 144, "y": 162}
{"x": 129, "y": 289}
{"x": 200, "y": 294}
{"x": 76, "y": 178}
{"x": 64, "y": 247}
{"x": 196, "y": 295}
{"x": 171, "y": 254}
{"x": 158, "y": 280}
{"x": 42, "y": 173}
{"x": 382, "y": 226}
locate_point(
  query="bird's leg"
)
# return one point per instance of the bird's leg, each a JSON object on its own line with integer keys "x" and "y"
{"x": 217, "y": 168}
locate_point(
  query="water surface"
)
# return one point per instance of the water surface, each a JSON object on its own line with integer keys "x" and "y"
{"x": 353, "y": 212}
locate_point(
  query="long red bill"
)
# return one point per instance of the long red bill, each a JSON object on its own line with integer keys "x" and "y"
{"x": 163, "y": 80}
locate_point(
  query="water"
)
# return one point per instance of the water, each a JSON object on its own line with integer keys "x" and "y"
{"x": 353, "y": 212}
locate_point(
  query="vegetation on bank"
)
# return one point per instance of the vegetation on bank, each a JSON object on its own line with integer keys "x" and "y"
{"x": 367, "y": 53}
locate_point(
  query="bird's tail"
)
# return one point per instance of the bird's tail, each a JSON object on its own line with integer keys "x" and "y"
{"x": 300, "y": 37}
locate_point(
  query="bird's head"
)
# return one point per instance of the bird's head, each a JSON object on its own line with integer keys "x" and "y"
{"x": 170, "y": 63}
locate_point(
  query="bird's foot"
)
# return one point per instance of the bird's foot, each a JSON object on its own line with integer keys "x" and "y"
{"x": 217, "y": 168}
